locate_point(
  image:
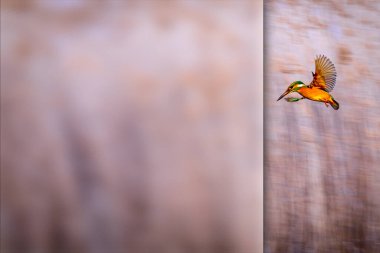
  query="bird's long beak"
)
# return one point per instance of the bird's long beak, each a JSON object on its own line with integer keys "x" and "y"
{"x": 284, "y": 94}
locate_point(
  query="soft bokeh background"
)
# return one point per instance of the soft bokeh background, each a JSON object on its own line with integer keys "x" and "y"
{"x": 131, "y": 126}
{"x": 322, "y": 167}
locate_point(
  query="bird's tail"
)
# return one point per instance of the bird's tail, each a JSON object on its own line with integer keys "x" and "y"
{"x": 334, "y": 104}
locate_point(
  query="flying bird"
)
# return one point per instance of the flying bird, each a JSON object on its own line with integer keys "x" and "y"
{"x": 319, "y": 89}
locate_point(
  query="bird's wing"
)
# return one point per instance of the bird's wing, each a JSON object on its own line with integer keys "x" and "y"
{"x": 325, "y": 74}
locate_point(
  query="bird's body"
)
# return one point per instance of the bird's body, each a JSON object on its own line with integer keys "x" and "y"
{"x": 323, "y": 82}
{"x": 315, "y": 94}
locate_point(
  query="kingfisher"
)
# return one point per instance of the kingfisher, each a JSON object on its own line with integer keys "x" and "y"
{"x": 320, "y": 87}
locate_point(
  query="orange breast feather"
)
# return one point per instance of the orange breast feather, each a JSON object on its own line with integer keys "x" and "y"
{"x": 315, "y": 94}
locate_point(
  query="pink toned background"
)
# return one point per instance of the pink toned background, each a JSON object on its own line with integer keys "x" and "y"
{"x": 322, "y": 167}
{"x": 131, "y": 126}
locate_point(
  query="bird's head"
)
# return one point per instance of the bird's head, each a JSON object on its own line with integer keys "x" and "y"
{"x": 294, "y": 86}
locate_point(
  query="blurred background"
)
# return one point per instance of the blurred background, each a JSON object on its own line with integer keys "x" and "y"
{"x": 131, "y": 126}
{"x": 322, "y": 176}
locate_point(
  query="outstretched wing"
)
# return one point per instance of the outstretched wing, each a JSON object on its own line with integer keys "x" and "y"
{"x": 325, "y": 74}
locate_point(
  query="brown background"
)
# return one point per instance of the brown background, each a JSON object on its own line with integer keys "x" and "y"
{"x": 322, "y": 172}
{"x": 131, "y": 126}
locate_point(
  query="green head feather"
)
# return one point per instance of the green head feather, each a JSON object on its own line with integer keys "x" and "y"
{"x": 294, "y": 86}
